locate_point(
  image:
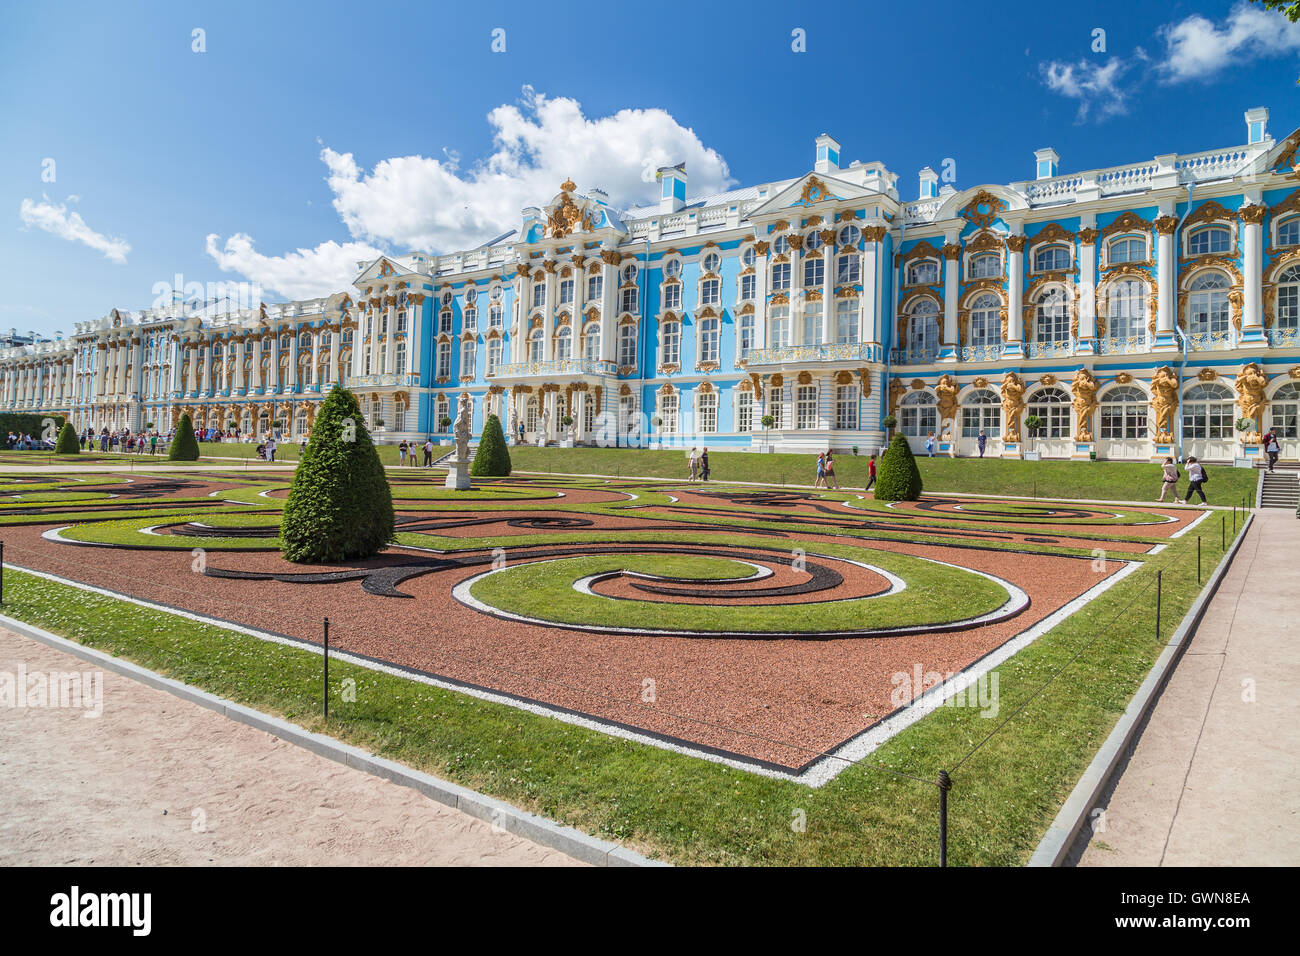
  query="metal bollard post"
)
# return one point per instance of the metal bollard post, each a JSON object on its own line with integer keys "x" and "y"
{"x": 945, "y": 784}
{"x": 1198, "y": 559}
{"x": 325, "y": 696}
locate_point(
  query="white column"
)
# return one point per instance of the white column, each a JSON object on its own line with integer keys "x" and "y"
{"x": 1166, "y": 294}
{"x": 315, "y": 358}
{"x": 1252, "y": 319}
{"x": 1087, "y": 289}
{"x": 257, "y": 362}
{"x": 609, "y": 311}
{"x": 548, "y": 319}
{"x": 416, "y": 338}
{"x": 390, "y": 341}
{"x": 868, "y": 313}
{"x": 1015, "y": 292}
{"x": 951, "y": 266}
{"x": 761, "y": 270}
{"x": 293, "y": 358}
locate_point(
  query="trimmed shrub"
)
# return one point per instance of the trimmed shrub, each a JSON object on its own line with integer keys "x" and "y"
{"x": 184, "y": 447}
{"x": 899, "y": 479}
{"x": 492, "y": 460}
{"x": 340, "y": 507}
{"x": 67, "y": 443}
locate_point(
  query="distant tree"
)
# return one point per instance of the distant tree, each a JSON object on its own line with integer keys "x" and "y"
{"x": 67, "y": 443}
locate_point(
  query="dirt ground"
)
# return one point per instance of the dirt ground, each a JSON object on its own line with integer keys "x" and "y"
{"x": 159, "y": 781}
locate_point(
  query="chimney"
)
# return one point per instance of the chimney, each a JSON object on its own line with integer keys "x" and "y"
{"x": 1256, "y": 125}
{"x": 673, "y": 194}
{"x": 929, "y": 183}
{"x": 828, "y": 154}
{"x": 1046, "y": 163}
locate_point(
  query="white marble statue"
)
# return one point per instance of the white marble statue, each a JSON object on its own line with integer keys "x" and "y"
{"x": 464, "y": 424}
{"x": 544, "y": 428}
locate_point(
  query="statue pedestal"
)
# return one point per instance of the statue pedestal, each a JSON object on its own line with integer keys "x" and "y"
{"x": 458, "y": 475}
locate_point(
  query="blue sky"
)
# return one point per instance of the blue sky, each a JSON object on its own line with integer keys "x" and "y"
{"x": 306, "y": 136}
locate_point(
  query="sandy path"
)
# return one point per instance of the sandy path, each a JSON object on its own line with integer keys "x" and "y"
{"x": 160, "y": 781}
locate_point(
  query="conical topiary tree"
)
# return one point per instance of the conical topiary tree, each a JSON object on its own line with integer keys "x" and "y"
{"x": 184, "y": 446}
{"x": 339, "y": 507}
{"x": 67, "y": 443}
{"x": 492, "y": 460}
{"x": 899, "y": 479}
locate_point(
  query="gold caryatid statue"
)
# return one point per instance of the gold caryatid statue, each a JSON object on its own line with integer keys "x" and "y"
{"x": 1084, "y": 388}
{"x": 1250, "y": 385}
{"x": 946, "y": 403}
{"x": 1013, "y": 400}
{"x": 1164, "y": 400}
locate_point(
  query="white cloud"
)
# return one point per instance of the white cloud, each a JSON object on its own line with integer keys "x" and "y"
{"x": 1094, "y": 84}
{"x": 431, "y": 204}
{"x": 302, "y": 274}
{"x": 58, "y": 221}
{"x": 1197, "y": 48}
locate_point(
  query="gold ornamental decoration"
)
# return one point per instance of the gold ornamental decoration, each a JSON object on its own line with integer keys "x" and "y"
{"x": 1084, "y": 390}
{"x": 946, "y": 391}
{"x": 896, "y": 390}
{"x": 1250, "y": 385}
{"x": 1013, "y": 401}
{"x": 1164, "y": 399}
{"x": 983, "y": 208}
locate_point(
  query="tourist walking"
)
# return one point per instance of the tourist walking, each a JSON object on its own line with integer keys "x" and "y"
{"x": 153, "y": 443}
{"x": 821, "y": 470}
{"x": 1196, "y": 478}
{"x": 428, "y": 452}
{"x": 692, "y": 464}
{"x": 828, "y": 478}
{"x": 1272, "y": 448}
{"x": 704, "y": 465}
{"x": 871, "y": 473}
{"x": 270, "y": 448}
{"x": 1169, "y": 481}
{"x": 929, "y": 445}
{"x": 401, "y": 452}
{"x": 982, "y": 441}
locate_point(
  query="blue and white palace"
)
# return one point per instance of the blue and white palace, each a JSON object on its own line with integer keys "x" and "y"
{"x": 1130, "y": 312}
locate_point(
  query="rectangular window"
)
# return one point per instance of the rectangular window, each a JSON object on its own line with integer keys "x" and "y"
{"x": 566, "y": 291}
{"x": 846, "y": 321}
{"x": 814, "y": 271}
{"x": 745, "y": 412}
{"x": 848, "y": 269}
{"x": 673, "y": 296}
{"x": 629, "y": 300}
{"x": 594, "y": 289}
{"x": 710, "y": 292}
{"x": 444, "y": 361}
{"x": 539, "y": 294}
{"x": 748, "y": 284}
{"x": 846, "y": 406}
{"x": 467, "y": 357}
{"x": 707, "y": 412}
{"x": 668, "y": 414}
{"x": 493, "y": 355}
{"x": 627, "y": 345}
{"x": 781, "y": 276}
{"x": 806, "y": 407}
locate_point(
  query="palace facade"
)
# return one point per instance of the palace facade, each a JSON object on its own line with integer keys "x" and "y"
{"x": 1127, "y": 313}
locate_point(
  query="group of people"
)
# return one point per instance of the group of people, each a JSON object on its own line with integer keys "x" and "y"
{"x": 1196, "y": 479}
{"x": 122, "y": 440}
{"x": 826, "y": 471}
{"x": 697, "y": 464}
{"x": 406, "y": 452}
{"x": 21, "y": 442}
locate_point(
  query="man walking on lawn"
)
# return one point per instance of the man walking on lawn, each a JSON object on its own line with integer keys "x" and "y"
{"x": 871, "y": 473}
{"x": 428, "y": 452}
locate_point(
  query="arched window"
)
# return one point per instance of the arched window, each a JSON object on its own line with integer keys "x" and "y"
{"x": 1052, "y": 259}
{"x": 1288, "y": 232}
{"x": 1053, "y": 323}
{"x": 563, "y": 344}
{"x": 304, "y": 340}
{"x": 846, "y": 321}
{"x": 985, "y": 266}
{"x": 780, "y": 327}
{"x": 627, "y": 345}
{"x": 591, "y": 342}
{"x": 1288, "y": 297}
{"x": 670, "y": 338}
{"x": 535, "y": 345}
{"x": 285, "y": 342}
{"x": 1209, "y": 239}
{"x": 1284, "y": 411}
{"x": 1127, "y": 249}
{"x": 1207, "y": 306}
{"x": 985, "y": 322}
{"x": 1207, "y": 412}
{"x": 709, "y": 339}
{"x": 981, "y": 411}
{"x": 918, "y": 415}
{"x": 1052, "y": 405}
{"x": 1126, "y": 310}
{"x": 923, "y": 330}
{"x": 925, "y": 272}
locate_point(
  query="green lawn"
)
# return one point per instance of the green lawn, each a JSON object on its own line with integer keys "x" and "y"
{"x": 678, "y": 807}
{"x": 1107, "y": 480}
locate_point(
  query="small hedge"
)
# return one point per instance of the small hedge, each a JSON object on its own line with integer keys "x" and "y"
{"x": 67, "y": 443}
{"x": 492, "y": 460}
{"x": 339, "y": 507}
{"x": 899, "y": 479}
{"x": 184, "y": 446}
